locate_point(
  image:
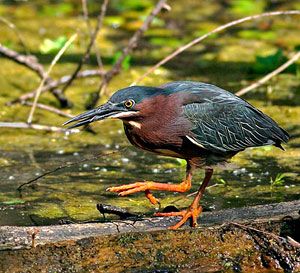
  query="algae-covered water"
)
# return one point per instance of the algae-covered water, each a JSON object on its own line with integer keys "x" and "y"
{"x": 229, "y": 60}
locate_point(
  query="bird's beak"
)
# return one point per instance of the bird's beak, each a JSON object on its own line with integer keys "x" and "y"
{"x": 107, "y": 110}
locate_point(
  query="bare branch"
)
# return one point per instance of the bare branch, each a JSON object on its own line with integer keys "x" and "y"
{"x": 136, "y": 37}
{"x": 55, "y": 83}
{"x": 90, "y": 45}
{"x": 24, "y": 125}
{"x": 48, "y": 108}
{"x": 89, "y": 27}
{"x": 216, "y": 30}
{"x": 93, "y": 157}
{"x": 268, "y": 76}
{"x": 32, "y": 63}
{"x": 28, "y": 61}
{"x": 133, "y": 42}
{"x": 54, "y": 61}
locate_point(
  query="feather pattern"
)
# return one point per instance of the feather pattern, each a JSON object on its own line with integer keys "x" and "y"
{"x": 222, "y": 122}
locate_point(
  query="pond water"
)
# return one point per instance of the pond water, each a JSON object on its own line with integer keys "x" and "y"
{"x": 227, "y": 60}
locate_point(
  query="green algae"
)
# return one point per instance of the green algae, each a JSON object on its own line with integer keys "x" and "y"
{"x": 224, "y": 60}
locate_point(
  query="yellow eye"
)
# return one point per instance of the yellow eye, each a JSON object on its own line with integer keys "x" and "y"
{"x": 129, "y": 104}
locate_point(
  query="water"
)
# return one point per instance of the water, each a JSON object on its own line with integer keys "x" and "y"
{"x": 72, "y": 193}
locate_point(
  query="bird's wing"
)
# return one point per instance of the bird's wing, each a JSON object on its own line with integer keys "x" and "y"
{"x": 222, "y": 122}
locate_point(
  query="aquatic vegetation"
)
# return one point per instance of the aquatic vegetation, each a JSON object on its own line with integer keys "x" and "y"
{"x": 225, "y": 60}
{"x": 265, "y": 64}
{"x": 52, "y": 46}
{"x": 279, "y": 180}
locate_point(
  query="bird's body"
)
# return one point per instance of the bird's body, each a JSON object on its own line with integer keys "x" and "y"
{"x": 201, "y": 123}
{"x": 214, "y": 124}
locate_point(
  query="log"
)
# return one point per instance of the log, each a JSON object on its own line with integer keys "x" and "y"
{"x": 262, "y": 237}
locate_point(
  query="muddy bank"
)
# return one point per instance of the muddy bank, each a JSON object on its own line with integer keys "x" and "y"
{"x": 260, "y": 238}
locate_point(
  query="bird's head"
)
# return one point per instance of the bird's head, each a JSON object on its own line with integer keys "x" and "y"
{"x": 126, "y": 104}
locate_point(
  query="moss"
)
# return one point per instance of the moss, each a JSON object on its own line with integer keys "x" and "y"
{"x": 225, "y": 61}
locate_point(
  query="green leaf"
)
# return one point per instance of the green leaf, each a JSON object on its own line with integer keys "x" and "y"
{"x": 52, "y": 46}
{"x": 265, "y": 64}
{"x": 126, "y": 62}
{"x": 279, "y": 180}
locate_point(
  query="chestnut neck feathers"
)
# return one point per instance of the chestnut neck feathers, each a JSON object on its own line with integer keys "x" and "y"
{"x": 159, "y": 116}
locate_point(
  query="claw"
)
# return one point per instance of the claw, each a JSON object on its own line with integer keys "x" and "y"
{"x": 151, "y": 198}
{"x": 192, "y": 212}
{"x": 133, "y": 188}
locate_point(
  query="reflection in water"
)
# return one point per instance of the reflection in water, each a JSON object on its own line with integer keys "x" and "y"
{"x": 72, "y": 193}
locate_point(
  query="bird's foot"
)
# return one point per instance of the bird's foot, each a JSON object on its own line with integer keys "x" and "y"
{"x": 147, "y": 186}
{"x": 133, "y": 188}
{"x": 192, "y": 212}
{"x": 153, "y": 200}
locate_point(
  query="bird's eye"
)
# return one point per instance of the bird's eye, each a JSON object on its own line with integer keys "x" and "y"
{"x": 129, "y": 104}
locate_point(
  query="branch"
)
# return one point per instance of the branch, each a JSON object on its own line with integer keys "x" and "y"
{"x": 133, "y": 42}
{"x": 48, "y": 108}
{"x": 89, "y": 27}
{"x": 216, "y": 30}
{"x": 27, "y": 61}
{"x": 24, "y": 125}
{"x": 54, "y": 61}
{"x": 93, "y": 157}
{"x": 90, "y": 45}
{"x": 136, "y": 37}
{"x": 55, "y": 83}
{"x": 268, "y": 76}
{"x": 31, "y": 63}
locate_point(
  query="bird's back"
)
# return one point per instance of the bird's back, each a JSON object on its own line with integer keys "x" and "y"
{"x": 222, "y": 122}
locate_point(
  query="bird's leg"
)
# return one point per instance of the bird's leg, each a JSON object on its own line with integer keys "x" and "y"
{"x": 147, "y": 186}
{"x": 194, "y": 209}
{"x": 153, "y": 200}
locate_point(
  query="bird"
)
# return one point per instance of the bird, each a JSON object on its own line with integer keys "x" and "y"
{"x": 200, "y": 123}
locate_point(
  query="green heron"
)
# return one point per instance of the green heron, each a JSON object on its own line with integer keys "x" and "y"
{"x": 200, "y": 123}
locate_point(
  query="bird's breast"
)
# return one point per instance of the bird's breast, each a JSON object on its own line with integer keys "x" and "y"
{"x": 161, "y": 126}
{"x": 160, "y": 137}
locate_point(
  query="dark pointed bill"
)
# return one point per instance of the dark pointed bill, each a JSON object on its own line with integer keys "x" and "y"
{"x": 102, "y": 112}
{"x": 98, "y": 113}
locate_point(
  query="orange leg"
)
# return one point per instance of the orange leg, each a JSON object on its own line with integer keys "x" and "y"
{"x": 147, "y": 186}
{"x": 194, "y": 209}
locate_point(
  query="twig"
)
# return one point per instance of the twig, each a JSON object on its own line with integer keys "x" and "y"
{"x": 260, "y": 238}
{"x": 133, "y": 42}
{"x": 121, "y": 212}
{"x": 31, "y": 62}
{"x": 90, "y": 45}
{"x": 48, "y": 108}
{"x": 216, "y": 30}
{"x": 67, "y": 166}
{"x": 28, "y": 61}
{"x": 24, "y": 125}
{"x": 54, "y": 61}
{"x": 256, "y": 230}
{"x": 268, "y": 76}
{"x": 89, "y": 27}
{"x": 33, "y": 233}
{"x": 55, "y": 83}
{"x": 15, "y": 29}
